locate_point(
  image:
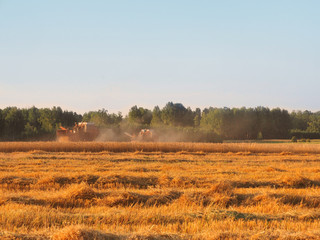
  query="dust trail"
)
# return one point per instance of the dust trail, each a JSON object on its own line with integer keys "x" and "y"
{"x": 110, "y": 135}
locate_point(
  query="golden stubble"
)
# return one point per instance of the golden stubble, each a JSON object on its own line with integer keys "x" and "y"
{"x": 159, "y": 195}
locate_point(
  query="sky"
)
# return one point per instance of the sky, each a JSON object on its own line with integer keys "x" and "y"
{"x": 88, "y": 55}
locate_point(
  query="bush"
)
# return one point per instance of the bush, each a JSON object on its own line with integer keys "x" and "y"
{"x": 304, "y": 134}
{"x": 259, "y": 137}
{"x": 294, "y": 139}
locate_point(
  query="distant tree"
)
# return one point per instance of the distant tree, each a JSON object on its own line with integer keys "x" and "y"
{"x": 30, "y": 131}
{"x": 2, "y": 124}
{"x": 207, "y": 125}
{"x": 102, "y": 118}
{"x": 281, "y": 123}
{"x": 314, "y": 124}
{"x": 14, "y": 123}
{"x": 47, "y": 119}
{"x": 264, "y": 122}
{"x": 33, "y": 116}
{"x": 175, "y": 114}
{"x": 212, "y": 120}
{"x": 140, "y": 115}
{"x": 197, "y": 117}
{"x": 300, "y": 119}
{"x": 32, "y": 125}
{"x": 68, "y": 118}
{"x": 156, "y": 117}
{"x": 188, "y": 119}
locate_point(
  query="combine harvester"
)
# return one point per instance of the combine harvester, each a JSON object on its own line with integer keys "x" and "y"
{"x": 145, "y": 135}
{"x": 83, "y": 131}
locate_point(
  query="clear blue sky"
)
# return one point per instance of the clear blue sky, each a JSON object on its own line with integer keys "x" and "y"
{"x": 88, "y": 55}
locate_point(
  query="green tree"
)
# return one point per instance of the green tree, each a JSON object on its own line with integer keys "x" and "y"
{"x": 140, "y": 115}
{"x": 197, "y": 117}
{"x": 156, "y": 117}
{"x": 314, "y": 124}
{"x": 175, "y": 114}
{"x": 47, "y": 120}
{"x": 212, "y": 120}
{"x": 30, "y": 131}
{"x": 300, "y": 119}
{"x": 2, "y": 124}
{"x": 281, "y": 123}
{"x": 102, "y": 118}
{"x": 14, "y": 123}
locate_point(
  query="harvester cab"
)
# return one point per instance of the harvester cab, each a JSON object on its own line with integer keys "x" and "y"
{"x": 144, "y": 135}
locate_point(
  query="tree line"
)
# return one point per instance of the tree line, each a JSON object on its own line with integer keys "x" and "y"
{"x": 33, "y": 123}
{"x": 173, "y": 122}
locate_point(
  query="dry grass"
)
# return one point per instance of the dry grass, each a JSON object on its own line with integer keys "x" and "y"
{"x": 159, "y": 195}
{"x": 180, "y": 148}
{"x": 82, "y": 233}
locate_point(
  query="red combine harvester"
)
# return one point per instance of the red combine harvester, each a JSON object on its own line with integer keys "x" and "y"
{"x": 83, "y": 131}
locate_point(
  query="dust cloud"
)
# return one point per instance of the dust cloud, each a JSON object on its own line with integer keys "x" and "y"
{"x": 158, "y": 135}
{"x": 109, "y": 135}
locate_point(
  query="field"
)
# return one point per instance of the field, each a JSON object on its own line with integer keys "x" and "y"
{"x": 159, "y": 191}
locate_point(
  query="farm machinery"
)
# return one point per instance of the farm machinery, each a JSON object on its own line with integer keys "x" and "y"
{"x": 83, "y": 131}
{"x": 145, "y": 135}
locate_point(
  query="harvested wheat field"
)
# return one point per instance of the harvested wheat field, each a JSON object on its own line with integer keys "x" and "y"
{"x": 187, "y": 194}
